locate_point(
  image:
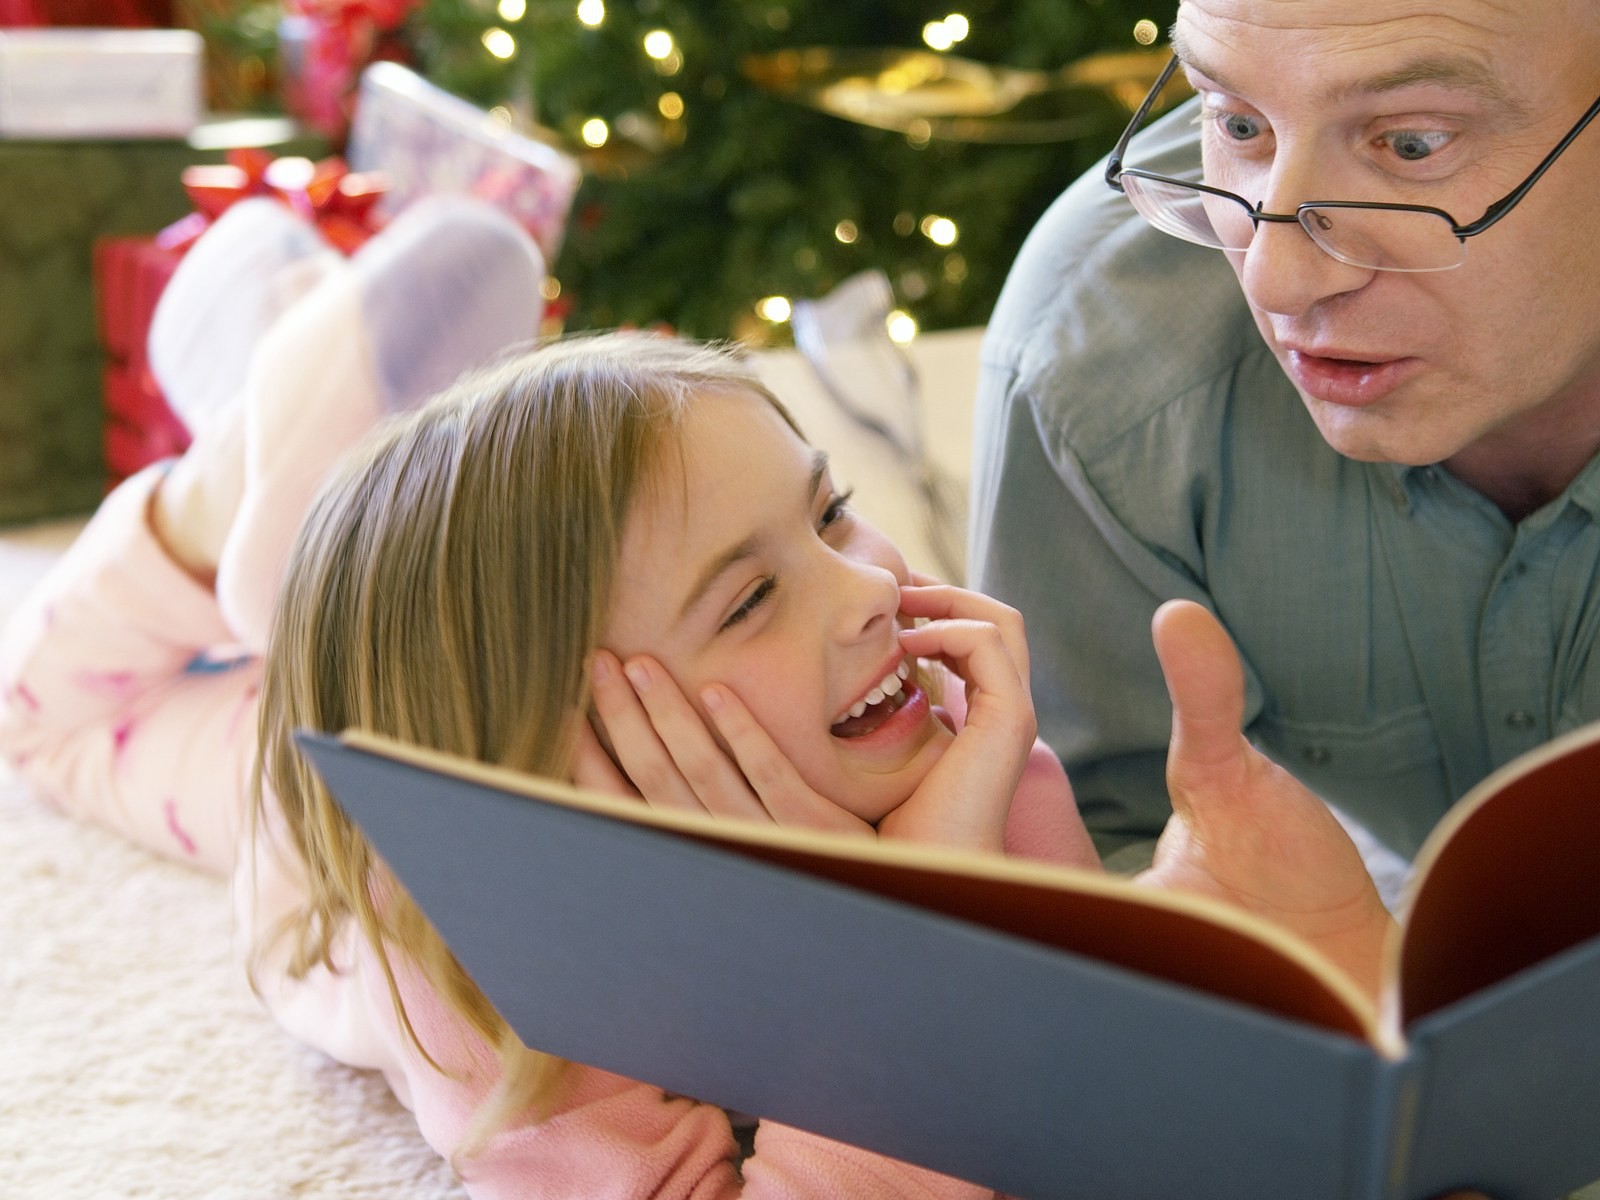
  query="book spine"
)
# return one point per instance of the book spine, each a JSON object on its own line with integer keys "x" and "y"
{"x": 1395, "y": 1111}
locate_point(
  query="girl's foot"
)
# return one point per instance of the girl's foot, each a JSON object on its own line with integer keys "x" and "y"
{"x": 449, "y": 284}
{"x": 245, "y": 270}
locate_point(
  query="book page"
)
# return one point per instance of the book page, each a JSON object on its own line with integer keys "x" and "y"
{"x": 1187, "y": 940}
{"x": 1509, "y": 878}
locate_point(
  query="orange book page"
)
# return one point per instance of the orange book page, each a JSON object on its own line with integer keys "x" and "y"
{"x": 1509, "y": 878}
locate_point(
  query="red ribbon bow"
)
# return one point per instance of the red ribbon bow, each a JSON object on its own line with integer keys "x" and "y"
{"x": 340, "y": 202}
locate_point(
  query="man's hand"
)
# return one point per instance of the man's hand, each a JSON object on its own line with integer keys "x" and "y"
{"x": 1242, "y": 828}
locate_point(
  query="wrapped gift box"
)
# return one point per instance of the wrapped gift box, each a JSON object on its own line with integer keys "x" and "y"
{"x": 130, "y": 274}
{"x": 423, "y": 140}
{"x": 56, "y": 199}
{"x": 99, "y": 83}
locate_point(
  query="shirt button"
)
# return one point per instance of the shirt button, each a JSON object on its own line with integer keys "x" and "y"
{"x": 1318, "y": 756}
{"x": 1520, "y": 718}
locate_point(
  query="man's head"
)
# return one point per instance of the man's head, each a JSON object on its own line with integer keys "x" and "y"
{"x": 1411, "y": 102}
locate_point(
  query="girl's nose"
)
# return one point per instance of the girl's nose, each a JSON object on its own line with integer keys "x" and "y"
{"x": 865, "y": 599}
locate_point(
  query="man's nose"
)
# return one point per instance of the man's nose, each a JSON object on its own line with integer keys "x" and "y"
{"x": 1285, "y": 273}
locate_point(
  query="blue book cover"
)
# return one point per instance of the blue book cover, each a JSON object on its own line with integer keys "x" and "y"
{"x": 1042, "y": 1031}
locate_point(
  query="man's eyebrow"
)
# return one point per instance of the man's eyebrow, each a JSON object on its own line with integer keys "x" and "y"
{"x": 1455, "y": 72}
{"x": 747, "y": 547}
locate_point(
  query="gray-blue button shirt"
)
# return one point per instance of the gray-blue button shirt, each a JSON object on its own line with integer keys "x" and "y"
{"x": 1136, "y": 441}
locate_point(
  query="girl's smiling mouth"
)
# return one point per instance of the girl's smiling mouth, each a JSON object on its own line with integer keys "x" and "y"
{"x": 886, "y": 698}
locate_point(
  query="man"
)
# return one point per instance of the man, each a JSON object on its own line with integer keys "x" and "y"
{"x": 1364, "y": 437}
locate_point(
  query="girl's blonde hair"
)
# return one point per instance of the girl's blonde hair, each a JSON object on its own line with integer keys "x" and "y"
{"x": 448, "y": 588}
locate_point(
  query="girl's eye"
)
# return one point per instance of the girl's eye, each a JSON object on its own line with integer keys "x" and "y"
{"x": 1413, "y": 145}
{"x": 838, "y": 509}
{"x": 762, "y": 593}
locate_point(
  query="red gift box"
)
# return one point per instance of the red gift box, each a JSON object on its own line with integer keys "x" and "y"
{"x": 131, "y": 273}
{"x": 129, "y": 276}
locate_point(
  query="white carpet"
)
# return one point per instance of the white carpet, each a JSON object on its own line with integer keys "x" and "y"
{"x": 134, "y": 1061}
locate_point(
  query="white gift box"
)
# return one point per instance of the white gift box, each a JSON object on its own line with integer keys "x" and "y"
{"x": 424, "y": 140}
{"x": 99, "y": 83}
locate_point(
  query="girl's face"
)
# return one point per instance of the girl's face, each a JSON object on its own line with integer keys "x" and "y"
{"x": 741, "y": 565}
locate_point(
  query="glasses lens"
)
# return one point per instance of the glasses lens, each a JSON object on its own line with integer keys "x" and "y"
{"x": 1189, "y": 213}
{"x": 1385, "y": 239}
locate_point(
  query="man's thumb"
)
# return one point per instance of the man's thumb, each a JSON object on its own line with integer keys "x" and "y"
{"x": 1206, "y": 684}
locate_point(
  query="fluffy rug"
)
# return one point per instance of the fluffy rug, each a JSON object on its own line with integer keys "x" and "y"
{"x": 134, "y": 1061}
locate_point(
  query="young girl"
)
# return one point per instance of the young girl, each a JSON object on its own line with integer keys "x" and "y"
{"x": 629, "y": 506}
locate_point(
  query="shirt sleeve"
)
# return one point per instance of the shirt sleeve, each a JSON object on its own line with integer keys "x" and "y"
{"x": 1094, "y": 432}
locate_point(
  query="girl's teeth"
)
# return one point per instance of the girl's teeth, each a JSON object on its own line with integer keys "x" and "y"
{"x": 890, "y": 685}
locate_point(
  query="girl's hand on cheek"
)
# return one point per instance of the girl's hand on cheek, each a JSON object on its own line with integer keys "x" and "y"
{"x": 663, "y": 753}
{"x": 966, "y": 798}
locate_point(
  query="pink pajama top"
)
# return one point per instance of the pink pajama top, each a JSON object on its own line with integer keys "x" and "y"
{"x": 122, "y": 702}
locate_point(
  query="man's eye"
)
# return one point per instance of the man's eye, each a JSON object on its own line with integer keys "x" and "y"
{"x": 1414, "y": 144}
{"x": 1237, "y": 126}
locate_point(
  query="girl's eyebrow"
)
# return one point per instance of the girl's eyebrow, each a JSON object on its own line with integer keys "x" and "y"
{"x": 747, "y": 547}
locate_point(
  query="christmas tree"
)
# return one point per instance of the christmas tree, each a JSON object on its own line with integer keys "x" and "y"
{"x": 717, "y": 186}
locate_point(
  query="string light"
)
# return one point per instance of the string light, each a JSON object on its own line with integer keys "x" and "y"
{"x": 512, "y": 11}
{"x": 941, "y": 231}
{"x": 902, "y": 327}
{"x": 775, "y": 309}
{"x": 670, "y": 105}
{"x": 658, "y": 44}
{"x": 592, "y": 12}
{"x": 499, "y": 43}
{"x": 846, "y": 232}
{"x": 941, "y": 35}
{"x": 1145, "y": 32}
{"x": 595, "y": 132}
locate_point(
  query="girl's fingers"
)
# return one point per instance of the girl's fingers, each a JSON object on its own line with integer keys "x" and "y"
{"x": 943, "y": 602}
{"x": 981, "y": 656}
{"x": 692, "y": 759}
{"x": 592, "y": 767}
{"x": 784, "y": 796}
{"x": 635, "y": 746}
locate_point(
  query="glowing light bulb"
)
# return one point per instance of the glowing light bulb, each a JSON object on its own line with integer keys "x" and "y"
{"x": 513, "y": 10}
{"x": 595, "y": 132}
{"x": 591, "y": 12}
{"x": 1145, "y": 32}
{"x": 775, "y": 309}
{"x": 670, "y": 105}
{"x": 937, "y": 34}
{"x": 658, "y": 44}
{"x": 846, "y": 232}
{"x": 499, "y": 43}
{"x": 941, "y": 231}
{"x": 902, "y": 326}
{"x": 957, "y": 26}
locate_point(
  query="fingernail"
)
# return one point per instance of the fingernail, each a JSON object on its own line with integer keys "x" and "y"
{"x": 638, "y": 676}
{"x": 712, "y": 698}
{"x": 600, "y": 669}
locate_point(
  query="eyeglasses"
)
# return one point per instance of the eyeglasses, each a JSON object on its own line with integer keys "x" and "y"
{"x": 1379, "y": 237}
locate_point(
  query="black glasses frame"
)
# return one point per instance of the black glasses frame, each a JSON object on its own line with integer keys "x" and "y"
{"x": 1115, "y": 171}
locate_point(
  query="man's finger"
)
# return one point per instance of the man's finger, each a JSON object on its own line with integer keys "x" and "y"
{"x": 1206, "y": 683}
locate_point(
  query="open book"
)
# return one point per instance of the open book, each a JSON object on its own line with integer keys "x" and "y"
{"x": 1043, "y": 1031}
